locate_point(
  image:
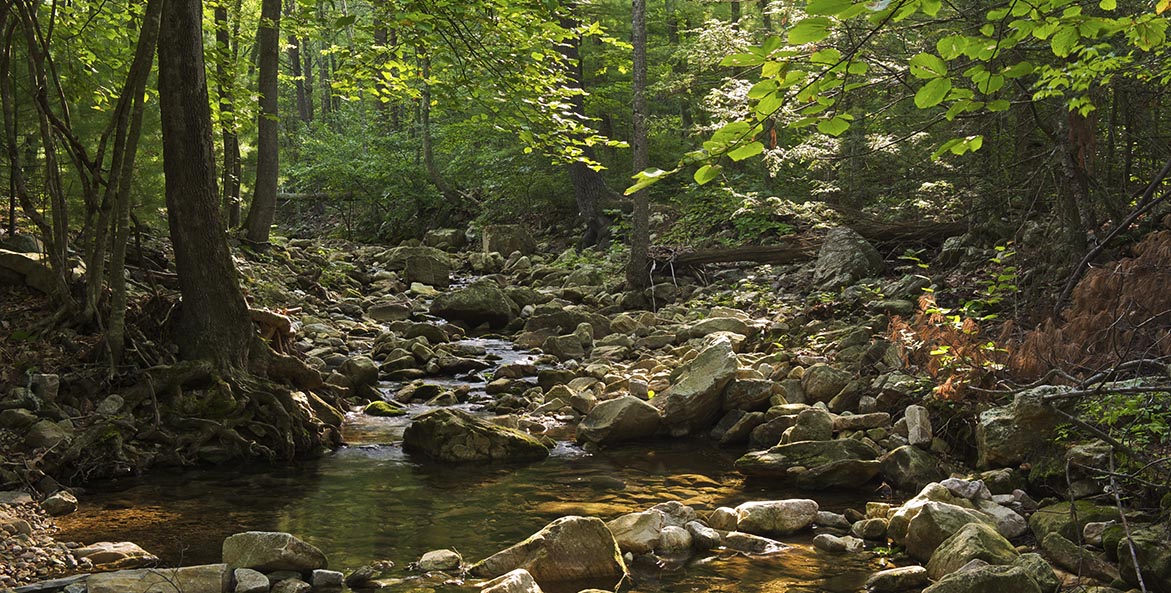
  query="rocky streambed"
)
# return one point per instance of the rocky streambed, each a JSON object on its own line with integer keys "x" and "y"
{"x": 691, "y": 437}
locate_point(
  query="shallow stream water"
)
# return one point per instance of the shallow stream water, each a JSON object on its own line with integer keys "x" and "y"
{"x": 370, "y": 501}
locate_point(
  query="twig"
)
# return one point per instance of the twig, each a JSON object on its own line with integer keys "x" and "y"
{"x": 1138, "y": 571}
{"x": 1052, "y": 397}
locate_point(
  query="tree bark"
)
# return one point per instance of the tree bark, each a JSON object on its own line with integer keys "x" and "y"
{"x": 636, "y": 269}
{"x": 304, "y": 111}
{"x": 263, "y": 208}
{"x": 227, "y": 52}
{"x": 214, "y": 322}
{"x": 433, "y": 171}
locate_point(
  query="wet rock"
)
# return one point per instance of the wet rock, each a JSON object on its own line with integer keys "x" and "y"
{"x": 748, "y": 543}
{"x": 211, "y": 578}
{"x": 673, "y": 540}
{"x": 776, "y": 517}
{"x": 919, "y": 431}
{"x": 813, "y": 424}
{"x": 250, "y": 581}
{"x": 60, "y": 503}
{"x": 116, "y": 555}
{"x": 383, "y": 409}
{"x": 986, "y": 579}
{"x": 894, "y": 580}
{"x": 1059, "y": 518}
{"x": 973, "y": 541}
{"x": 570, "y": 548}
{"x": 694, "y": 401}
{"x": 837, "y": 545}
{"x": 517, "y": 581}
{"x": 271, "y": 550}
{"x": 845, "y": 257}
{"x": 506, "y": 239}
{"x": 439, "y": 560}
{"x": 637, "y": 533}
{"x": 454, "y": 435}
{"x": 821, "y": 382}
{"x": 620, "y": 419}
{"x": 1007, "y": 435}
{"x": 842, "y": 462}
{"x": 1077, "y": 559}
{"x": 910, "y": 468}
{"x": 478, "y": 303}
{"x": 703, "y": 537}
{"x": 934, "y": 523}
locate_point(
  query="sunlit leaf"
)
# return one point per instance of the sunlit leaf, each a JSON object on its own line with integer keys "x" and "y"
{"x": 932, "y": 93}
{"x": 706, "y": 174}
{"x": 746, "y": 151}
{"x": 809, "y": 30}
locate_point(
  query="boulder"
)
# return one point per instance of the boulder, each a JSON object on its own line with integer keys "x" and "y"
{"x": 1059, "y": 518}
{"x": 776, "y": 517}
{"x": 822, "y": 382}
{"x": 936, "y": 522}
{"x": 566, "y": 347}
{"x": 517, "y": 581}
{"x": 250, "y": 581}
{"x": 893, "y": 580}
{"x": 814, "y": 464}
{"x": 752, "y": 544}
{"x": 837, "y": 545}
{"x": 741, "y": 429}
{"x": 293, "y": 585}
{"x": 901, "y": 518}
{"x": 439, "y": 560}
{"x": 1039, "y": 570}
{"x": 361, "y": 371}
{"x": 46, "y": 434}
{"x": 116, "y": 555}
{"x": 568, "y": 549}
{"x": 704, "y": 538}
{"x": 986, "y": 579}
{"x": 1077, "y": 559}
{"x": 750, "y": 395}
{"x": 383, "y": 409}
{"x": 450, "y": 239}
{"x": 693, "y": 403}
{"x": 1008, "y": 435}
{"x": 326, "y": 580}
{"x": 32, "y": 267}
{"x": 871, "y": 529}
{"x": 429, "y": 269}
{"x": 845, "y": 257}
{"x": 972, "y": 541}
{"x": 712, "y": 325}
{"x": 480, "y": 302}
{"x": 210, "y": 578}
{"x": 449, "y": 434}
{"x": 637, "y": 533}
{"x": 271, "y": 550}
{"x": 910, "y": 468}
{"x": 620, "y": 419}
{"x": 507, "y": 238}
{"x": 390, "y": 311}
{"x": 60, "y": 503}
{"x": 674, "y": 540}
{"x": 919, "y": 431}
{"x": 813, "y": 424}
{"x": 1154, "y": 556}
{"x": 1007, "y": 521}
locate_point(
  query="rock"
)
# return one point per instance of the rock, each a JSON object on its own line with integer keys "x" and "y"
{"x": 116, "y": 555}
{"x": 813, "y": 424}
{"x": 570, "y": 548}
{"x": 293, "y": 585}
{"x": 637, "y": 533}
{"x": 360, "y": 371}
{"x": 693, "y": 403}
{"x": 674, "y": 540}
{"x": 22, "y": 243}
{"x": 17, "y": 419}
{"x": 517, "y": 581}
{"x": 383, "y": 409}
{"x": 391, "y": 311}
{"x": 893, "y": 580}
{"x": 1007, "y": 521}
{"x": 60, "y": 503}
{"x": 439, "y": 560}
{"x": 326, "y": 580}
{"x": 1077, "y": 559}
{"x": 480, "y": 302}
{"x": 46, "y": 434}
{"x": 620, "y": 419}
{"x": 1039, "y": 571}
{"x": 675, "y": 513}
{"x": 752, "y": 544}
{"x": 972, "y": 541}
{"x": 936, "y": 522}
{"x": 450, "y": 239}
{"x": 827, "y": 464}
{"x": 775, "y": 517}
{"x": 973, "y": 490}
{"x": 910, "y": 468}
{"x": 250, "y": 581}
{"x": 986, "y": 579}
{"x": 832, "y": 520}
{"x": 851, "y": 422}
{"x": 837, "y": 545}
{"x": 45, "y": 386}
{"x": 1154, "y": 556}
{"x": 507, "y": 238}
{"x": 448, "y": 434}
{"x": 845, "y": 257}
{"x": 569, "y": 346}
{"x": 872, "y": 529}
{"x": 1007, "y": 435}
{"x": 111, "y": 405}
{"x": 271, "y": 550}
{"x": 1059, "y": 518}
{"x": 211, "y": 578}
{"x": 822, "y": 382}
{"x": 704, "y": 538}
{"x": 750, "y": 395}
{"x": 429, "y": 269}
{"x": 33, "y": 267}
{"x": 360, "y": 577}
{"x": 740, "y": 430}
{"x": 712, "y": 325}
{"x": 723, "y": 518}
{"x": 918, "y": 426}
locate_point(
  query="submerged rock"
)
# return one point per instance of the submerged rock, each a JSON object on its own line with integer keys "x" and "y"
{"x": 814, "y": 464}
{"x": 210, "y": 578}
{"x": 271, "y": 550}
{"x": 568, "y": 549}
{"x": 517, "y": 581}
{"x": 449, "y": 434}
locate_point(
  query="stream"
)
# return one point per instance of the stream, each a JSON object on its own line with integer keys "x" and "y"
{"x": 370, "y": 501}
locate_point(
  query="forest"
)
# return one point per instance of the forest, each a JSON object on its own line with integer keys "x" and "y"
{"x": 565, "y": 295}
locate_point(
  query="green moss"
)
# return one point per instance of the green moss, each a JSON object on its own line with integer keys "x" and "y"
{"x": 381, "y": 408}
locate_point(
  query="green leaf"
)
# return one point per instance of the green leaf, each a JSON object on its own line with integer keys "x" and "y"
{"x": 927, "y": 65}
{"x": 834, "y": 126}
{"x": 706, "y": 173}
{"x": 952, "y": 46}
{"x": 1108, "y": 4}
{"x": 1018, "y": 70}
{"x": 647, "y": 178}
{"x": 932, "y": 93}
{"x": 769, "y": 103}
{"x": 809, "y": 30}
{"x": 1064, "y": 41}
{"x": 828, "y": 55}
{"x": 345, "y": 21}
{"x": 742, "y": 60}
{"x": 999, "y": 105}
{"x": 746, "y": 151}
{"x": 931, "y": 7}
{"x": 770, "y": 45}
{"x": 827, "y": 7}
{"x": 762, "y": 88}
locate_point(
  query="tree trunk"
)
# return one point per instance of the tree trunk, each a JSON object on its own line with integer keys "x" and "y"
{"x": 307, "y": 69}
{"x": 766, "y": 16}
{"x": 227, "y": 51}
{"x": 214, "y": 321}
{"x": 735, "y": 19}
{"x": 303, "y": 109}
{"x": 263, "y": 208}
{"x": 433, "y": 171}
{"x": 636, "y": 269}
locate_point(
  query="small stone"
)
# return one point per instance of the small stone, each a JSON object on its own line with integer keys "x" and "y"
{"x": 872, "y": 529}
{"x": 250, "y": 581}
{"x": 897, "y": 579}
{"x": 326, "y": 580}
{"x": 292, "y": 586}
{"x": 439, "y": 560}
{"x": 837, "y": 545}
{"x": 61, "y": 503}
{"x": 918, "y": 426}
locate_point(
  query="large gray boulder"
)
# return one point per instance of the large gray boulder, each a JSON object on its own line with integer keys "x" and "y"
{"x": 776, "y": 517}
{"x": 449, "y": 434}
{"x": 936, "y": 522}
{"x": 507, "y": 238}
{"x": 910, "y": 468}
{"x": 822, "y": 382}
{"x": 1154, "y": 558}
{"x": 271, "y": 550}
{"x": 693, "y": 403}
{"x": 986, "y": 579}
{"x": 1008, "y": 435}
{"x": 568, "y": 549}
{"x": 638, "y": 533}
{"x": 814, "y": 464}
{"x": 480, "y": 302}
{"x": 845, "y": 257}
{"x": 116, "y": 555}
{"x": 973, "y": 541}
{"x": 624, "y": 418}
{"x": 210, "y": 578}
{"x": 517, "y": 581}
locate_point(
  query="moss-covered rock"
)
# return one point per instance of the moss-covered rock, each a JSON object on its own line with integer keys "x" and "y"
{"x": 1060, "y": 518}
{"x": 383, "y": 408}
{"x": 450, "y": 434}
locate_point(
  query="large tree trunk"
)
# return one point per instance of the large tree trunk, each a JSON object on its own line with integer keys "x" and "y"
{"x": 263, "y": 208}
{"x": 214, "y": 322}
{"x": 227, "y": 53}
{"x": 636, "y": 269}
